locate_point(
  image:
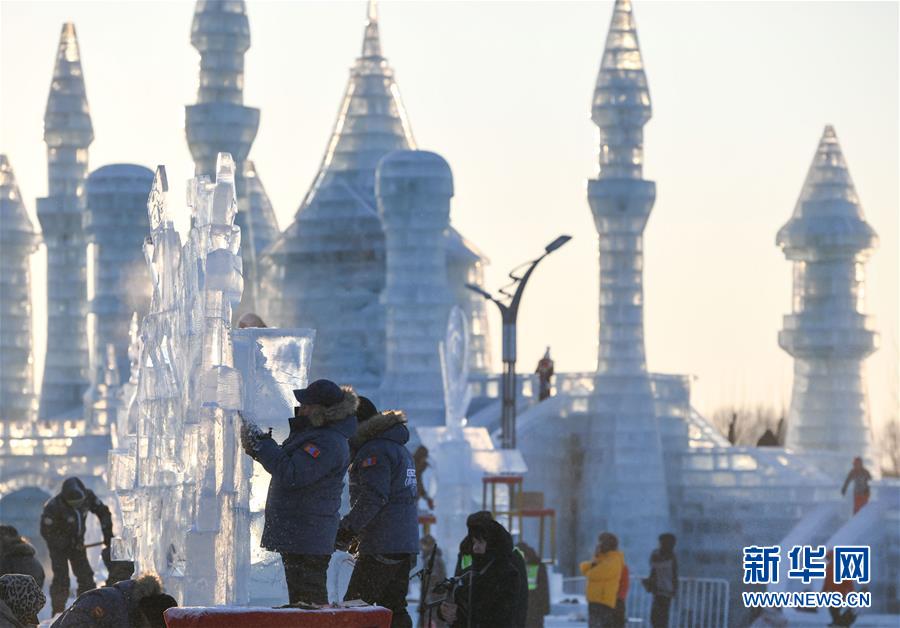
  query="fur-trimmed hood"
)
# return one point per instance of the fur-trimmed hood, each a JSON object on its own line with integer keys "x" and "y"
{"x": 378, "y": 425}
{"x": 323, "y": 415}
{"x": 144, "y": 585}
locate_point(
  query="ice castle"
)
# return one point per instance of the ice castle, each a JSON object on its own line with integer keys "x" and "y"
{"x": 327, "y": 270}
{"x": 619, "y": 448}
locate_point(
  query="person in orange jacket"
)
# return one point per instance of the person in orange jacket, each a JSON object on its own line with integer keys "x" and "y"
{"x": 603, "y": 575}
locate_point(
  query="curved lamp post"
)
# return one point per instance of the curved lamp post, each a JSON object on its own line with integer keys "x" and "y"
{"x": 509, "y": 311}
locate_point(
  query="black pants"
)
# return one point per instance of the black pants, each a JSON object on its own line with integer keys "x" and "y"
{"x": 306, "y": 579}
{"x": 659, "y": 611}
{"x": 383, "y": 582}
{"x": 59, "y": 588}
{"x": 601, "y": 616}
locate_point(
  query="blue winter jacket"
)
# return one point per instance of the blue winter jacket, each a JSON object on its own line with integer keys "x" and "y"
{"x": 383, "y": 511}
{"x": 304, "y": 500}
{"x": 109, "y": 607}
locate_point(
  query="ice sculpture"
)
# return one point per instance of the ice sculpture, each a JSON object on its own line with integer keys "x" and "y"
{"x": 182, "y": 481}
{"x": 414, "y": 190}
{"x": 273, "y": 363}
{"x": 68, "y": 133}
{"x": 452, "y": 456}
{"x": 337, "y": 238}
{"x": 626, "y": 457}
{"x": 118, "y": 283}
{"x": 220, "y": 122}
{"x": 18, "y": 240}
{"x": 828, "y": 334}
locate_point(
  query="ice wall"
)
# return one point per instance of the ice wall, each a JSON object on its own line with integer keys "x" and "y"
{"x": 182, "y": 480}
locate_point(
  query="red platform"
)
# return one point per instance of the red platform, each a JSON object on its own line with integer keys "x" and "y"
{"x": 227, "y": 616}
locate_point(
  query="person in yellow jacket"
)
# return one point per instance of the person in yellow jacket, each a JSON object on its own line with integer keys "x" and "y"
{"x": 602, "y": 576}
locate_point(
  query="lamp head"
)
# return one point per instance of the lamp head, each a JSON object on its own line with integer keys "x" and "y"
{"x": 558, "y": 242}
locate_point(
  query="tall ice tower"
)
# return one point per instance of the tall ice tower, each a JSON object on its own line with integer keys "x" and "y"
{"x": 414, "y": 190}
{"x": 629, "y": 493}
{"x": 18, "y": 240}
{"x": 827, "y": 333}
{"x": 220, "y": 123}
{"x": 68, "y": 133}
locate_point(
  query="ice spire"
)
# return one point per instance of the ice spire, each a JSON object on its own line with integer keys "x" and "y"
{"x": 337, "y": 235}
{"x": 372, "y": 39}
{"x": 621, "y": 104}
{"x": 220, "y": 123}
{"x": 827, "y": 333}
{"x": 628, "y": 453}
{"x": 18, "y": 240}
{"x": 67, "y": 133}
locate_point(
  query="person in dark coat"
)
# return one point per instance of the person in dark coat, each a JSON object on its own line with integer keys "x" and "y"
{"x": 489, "y": 589}
{"x": 304, "y": 499}
{"x": 663, "y": 580}
{"x": 63, "y": 523}
{"x": 17, "y": 555}
{"x": 538, "y": 587}
{"x": 383, "y": 512}
{"x": 860, "y": 477}
{"x": 138, "y": 603}
{"x": 464, "y": 560}
{"x": 21, "y": 599}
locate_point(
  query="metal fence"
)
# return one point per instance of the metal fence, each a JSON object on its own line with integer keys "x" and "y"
{"x": 700, "y": 603}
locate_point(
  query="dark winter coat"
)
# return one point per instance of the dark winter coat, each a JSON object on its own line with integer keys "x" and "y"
{"x": 17, "y": 556}
{"x": 663, "y": 573}
{"x": 538, "y": 588}
{"x": 490, "y": 589}
{"x": 109, "y": 607}
{"x": 304, "y": 500}
{"x": 63, "y": 526}
{"x": 383, "y": 490}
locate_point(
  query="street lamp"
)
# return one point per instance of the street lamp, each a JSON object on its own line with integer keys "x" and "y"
{"x": 509, "y": 311}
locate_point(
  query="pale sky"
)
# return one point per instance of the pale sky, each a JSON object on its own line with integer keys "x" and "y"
{"x": 741, "y": 93}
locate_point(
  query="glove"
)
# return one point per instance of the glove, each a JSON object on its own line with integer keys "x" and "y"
{"x": 251, "y": 438}
{"x": 107, "y": 558}
{"x": 344, "y": 539}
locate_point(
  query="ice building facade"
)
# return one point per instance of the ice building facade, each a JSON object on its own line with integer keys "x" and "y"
{"x": 220, "y": 122}
{"x": 327, "y": 270}
{"x": 67, "y": 132}
{"x": 18, "y": 241}
{"x": 828, "y": 333}
{"x": 118, "y": 284}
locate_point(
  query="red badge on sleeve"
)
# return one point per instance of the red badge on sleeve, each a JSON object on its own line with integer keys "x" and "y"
{"x": 312, "y": 450}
